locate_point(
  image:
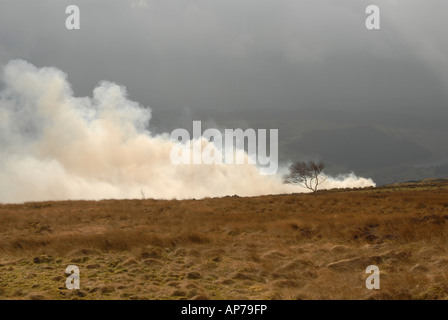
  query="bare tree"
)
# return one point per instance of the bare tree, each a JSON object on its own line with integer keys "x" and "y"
{"x": 306, "y": 174}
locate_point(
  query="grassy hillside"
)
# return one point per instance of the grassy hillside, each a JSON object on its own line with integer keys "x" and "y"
{"x": 272, "y": 247}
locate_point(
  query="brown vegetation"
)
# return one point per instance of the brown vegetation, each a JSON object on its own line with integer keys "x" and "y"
{"x": 272, "y": 247}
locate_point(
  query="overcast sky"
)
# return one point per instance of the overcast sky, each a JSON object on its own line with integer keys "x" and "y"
{"x": 242, "y": 54}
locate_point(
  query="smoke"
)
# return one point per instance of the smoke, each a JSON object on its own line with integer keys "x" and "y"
{"x": 55, "y": 146}
{"x": 347, "y": 181}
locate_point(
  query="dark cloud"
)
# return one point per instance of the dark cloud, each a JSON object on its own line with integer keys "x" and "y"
{"x": 233, "y": 54}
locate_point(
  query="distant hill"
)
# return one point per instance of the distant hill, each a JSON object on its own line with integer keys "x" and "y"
{"x": 388, "y": 147}
{"x": 359, "y": 148}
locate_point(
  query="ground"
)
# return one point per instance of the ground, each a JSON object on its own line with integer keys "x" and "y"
{"x": 295, "y": 246}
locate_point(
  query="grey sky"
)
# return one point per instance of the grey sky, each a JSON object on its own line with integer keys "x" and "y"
{"x": 237, "y": 54}
{"x": 309, "y": 65}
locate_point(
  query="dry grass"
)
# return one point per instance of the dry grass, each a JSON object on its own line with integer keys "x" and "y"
{"x": 271, "y": 247}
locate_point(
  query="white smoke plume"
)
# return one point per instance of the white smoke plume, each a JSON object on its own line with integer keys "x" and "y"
{"x": 55, "y": 146}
